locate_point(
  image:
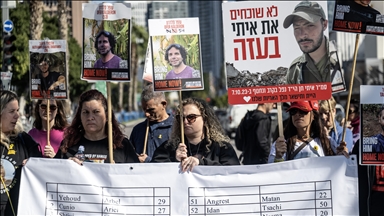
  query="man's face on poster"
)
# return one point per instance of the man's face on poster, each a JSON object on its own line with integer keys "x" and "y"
{"x": 174, "y": 57}
{"x": 44, "y": 66}
{"x": 103, "y": 45}
{"x": 308, "y": 35}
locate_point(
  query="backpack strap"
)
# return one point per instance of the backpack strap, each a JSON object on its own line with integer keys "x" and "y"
{"x": 292, "y": 156}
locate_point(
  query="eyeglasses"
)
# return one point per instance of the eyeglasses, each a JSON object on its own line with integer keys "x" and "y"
{"x": 51, "y": 107}
{"x": 105, "y": 33}
{"x": 191, "y": 118}
{"x": 294, "y": 111}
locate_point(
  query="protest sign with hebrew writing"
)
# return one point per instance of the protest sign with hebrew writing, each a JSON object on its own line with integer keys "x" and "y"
{"x": 175, "y": 51}
{"x": 48, "y": 69}
{"x": 107, "y": 38}
{"x": 265, "y": 59}
{"x": 314, "y": 186}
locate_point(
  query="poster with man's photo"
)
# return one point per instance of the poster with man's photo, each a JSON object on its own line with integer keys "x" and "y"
{"x": 365, "y": 17}
{"x": 176, "y": 56}
{"x": 279, "y": 51}
{"x": 372, "y": 124}
{"x": 106, "y": 41}
{"x": 48, "y": 69}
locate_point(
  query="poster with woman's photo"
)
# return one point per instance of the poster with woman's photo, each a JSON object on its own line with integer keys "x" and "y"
{"x": 106, "y": 41}
{"x": 175, "y": 52}
{"x": 372, "y": 124}
{"x": 48, "y": 69}
{"x": 359, "y": 16}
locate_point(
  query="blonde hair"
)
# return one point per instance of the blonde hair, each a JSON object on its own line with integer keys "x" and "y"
{"x": 324, "y": 104}
{"x": 6, "y": 97}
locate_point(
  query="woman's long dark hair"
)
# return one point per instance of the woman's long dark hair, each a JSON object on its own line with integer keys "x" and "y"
{"x": 317, "y": 130}
{"x": 60, "y": 121}
{"x": 75, "y": 131}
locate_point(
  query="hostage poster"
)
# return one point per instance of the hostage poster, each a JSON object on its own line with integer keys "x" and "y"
{"x": 269, "y": 49}
{"x": 359, "y": 17}
{"x": 107, "y": 37}
{"x": 48, "y": 69}
{"x": 176, "y": 56}
{"x": 372, "y": 125}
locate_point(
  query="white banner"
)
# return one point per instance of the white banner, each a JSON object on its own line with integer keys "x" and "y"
{"x": 315, "y": 186}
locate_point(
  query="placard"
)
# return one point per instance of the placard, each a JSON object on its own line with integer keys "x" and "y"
{"x": 107, "y": 38}
{"x": 176, "y": 55}
{"x": 48, "y": 76}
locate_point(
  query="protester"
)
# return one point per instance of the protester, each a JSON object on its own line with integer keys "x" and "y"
{"x": 256, "y": 135}
{"x": 334, "y": 130}
{"x": 176, "y": 56}
{"x": 16, "y": 147}
{"x": 353, "y": 122}
{"x": 105, "y": 44}
{"x": 57, "y": 124}
{"x": 304, "y": 133}
{"x": 158, "y": 124}
{"x": 205, "y": 139}
{"x": 89, "y": 128}
{"x": 314, "y": 65}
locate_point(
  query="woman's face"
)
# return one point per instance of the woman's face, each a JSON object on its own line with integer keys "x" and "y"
{"x": 300, "y": 119}
{"x": 52, "y": 110}
{"x": 193, "y": 121}
{"x": 93, "y": 117}
{"x": 9, "y": 116}
{"x": 352, "y": 113}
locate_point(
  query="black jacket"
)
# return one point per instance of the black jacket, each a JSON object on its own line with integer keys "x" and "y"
{"x": 215, "y": 155}
{"x": 21, "y": 147}
{"x": 258, "y": 140}
{"x": 97, "y": 151}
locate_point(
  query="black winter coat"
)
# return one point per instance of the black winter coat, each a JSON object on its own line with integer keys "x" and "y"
{"x": 213, "y": 155}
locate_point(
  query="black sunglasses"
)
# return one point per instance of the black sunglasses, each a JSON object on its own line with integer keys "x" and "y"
{"x": 294, "y": 111}
{"x": 191, "y": 118}
{"x": 51, "y": 107}
{"x": 106, "y": 33}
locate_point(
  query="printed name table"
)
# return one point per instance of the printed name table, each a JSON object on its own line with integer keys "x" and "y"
{"x": 90, "y": 200}
{"x": 307, "y": 198}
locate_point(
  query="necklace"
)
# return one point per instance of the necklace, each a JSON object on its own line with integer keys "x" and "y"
{"x": 198, "y": 147}
{"x": 302, "y": 137}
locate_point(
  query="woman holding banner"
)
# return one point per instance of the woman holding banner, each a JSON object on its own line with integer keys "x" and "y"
{"x": 57, "y": 124}
{"x": 205, "y": 139}
{"x": 89, "y": 128}
{"x": 15, "y": 148}
{"x": 305, "y": 135}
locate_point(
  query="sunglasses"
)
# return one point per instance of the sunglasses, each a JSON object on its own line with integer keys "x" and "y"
{"x": 191, "y": 118}
{"x": 105, "y": 33}
{"x": 294, "y": 111}
{"x": 51, "y": 107}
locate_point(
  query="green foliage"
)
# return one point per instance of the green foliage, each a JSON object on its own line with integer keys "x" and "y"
{"x": 77, "y": 86}
{"x": 372, "y": 108}
{"x": 220, "y": 102}
{"x": 21, "y": 31}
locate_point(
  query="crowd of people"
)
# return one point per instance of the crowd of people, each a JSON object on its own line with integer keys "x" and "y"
{"x": 310, "y": 131}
